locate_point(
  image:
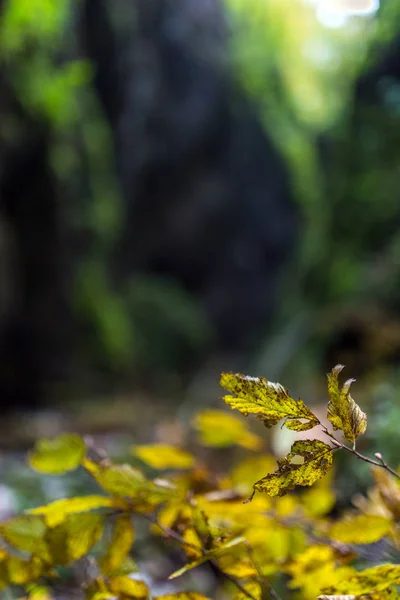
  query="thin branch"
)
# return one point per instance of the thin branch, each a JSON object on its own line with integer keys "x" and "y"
{"x": 263, "y": 580}
{"x": 174, "y": 535}
{"x": 377, "y": 463}
{"x": 231, "y": 578}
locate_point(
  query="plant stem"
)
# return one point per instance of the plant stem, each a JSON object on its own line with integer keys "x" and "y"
{"x": 377, "y": 463}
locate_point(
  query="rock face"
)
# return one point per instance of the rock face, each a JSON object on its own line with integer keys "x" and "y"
{"x": 205, "y": 196}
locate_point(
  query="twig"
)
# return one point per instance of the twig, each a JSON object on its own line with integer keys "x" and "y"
{"x": 231, "y": 578}
{"x": 377, "y": 463}
{"x": 174, "y": 535}
{"x": 263, "y": 580}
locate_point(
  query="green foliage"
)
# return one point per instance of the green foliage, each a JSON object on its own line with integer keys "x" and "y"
{"x": 276, "y": 539}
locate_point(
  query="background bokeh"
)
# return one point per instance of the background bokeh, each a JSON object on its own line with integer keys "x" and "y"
{"x": 189, "y": 186}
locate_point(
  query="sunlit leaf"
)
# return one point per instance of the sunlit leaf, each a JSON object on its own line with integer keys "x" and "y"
{"x": 74, "y": 537}
{"x": 390, "y": 594}
{"x": 319, "y": 500}
{"x": 23, "y": 532}
{"x": 125, "y": 481}
{"x": 343, "y": 412}
{"x": 208, "y": 556}
{"x": 126, "y": 588}
{"x": 389, "y": 490}
{"x": 37, "y": 592}
{"x": 375, "y": 579}
{"x": 317, "y": 460}
{"x": 162, "y": 456}
{"x": 183, "y": 596}
{"x": 270, "y": 402}
{"x": 219, "y": 429}
{"x": 253, "y": 588}
{"x": 249, "y": 470}
{"x": 361, "y": 529}
{"x": 22, "y": 572}
{"x": 313, "y": 568}
{"x": 58, "y": 455}
{"x": 56, "y": 512}
{"x": 120, "y": 545}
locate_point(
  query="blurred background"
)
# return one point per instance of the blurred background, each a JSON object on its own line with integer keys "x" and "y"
{"x": 191, "y": 186}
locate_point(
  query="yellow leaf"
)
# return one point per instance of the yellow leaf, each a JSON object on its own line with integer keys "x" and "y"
{"x": 389, "y": 491}
{"x": 312, "y": 568}
{"x": 125, "y": 481}
{"x": 237, "y": 566}
{"x": 249, "y": 470}
{"x": 23, "y": 572}
{"x": 59, "y": 455}
{"x": 319, "y": 500}
{"x": 390, "y": 594}
{"x": 193, "y": 549}
{"x": 361, "y": 529}
{"x": 121, "y": 543}
{"x": 270, "y": 402}
{"x": 162, "y": 456}
{"x": 56, "y": 512}
{"x": 37, "y": 592}
{"x": 343, "y": 412}
{"x": 128, "y": 588}
{"x": 219, "y": 429}
{"x": 317, "y": 460}
{"x": 182, "y": 596}
{"x": 253, "y": 588}
{"x": 375, "y": 579}
{"x": 23, "y": 532}
{"x": 208, "y": 556}
{"x": 73, "y": 538}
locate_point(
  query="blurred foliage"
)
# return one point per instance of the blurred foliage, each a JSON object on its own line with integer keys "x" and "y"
{"x": 279, "y": 541}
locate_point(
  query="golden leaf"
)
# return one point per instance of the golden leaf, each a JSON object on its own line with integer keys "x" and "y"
{"x": 73, "y": 538}
{"x": 270, "y": 402}
{"x": 317, "y": 461}
{"x": 343, "y": 412}
{"x": 120, "y": 545}
{"x": 56, "y": 512}
{"x": 125, "y": 481}
{"x": 162, "y": 456}
{"x": 182, "y": 596}
{"x": 58, "y": 455}
{"x": 361, "y": 529}
{"x": 127, "y": 588}
{"x": 219, "y": 429}
{"x": 373, "y": 580}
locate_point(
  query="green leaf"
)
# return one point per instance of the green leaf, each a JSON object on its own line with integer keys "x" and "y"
{"x": 120, "y": 545}
{"x": 58, "y": 455}
{"x": 207, "y": 556}
{"x": 56, "y": 512}
{"x": 219, "y": 429}
{"x": 72, "y": 539}
{"x": 343, "y": 412}
{"x": 162, "y": 456}
{"x": 376, "y": 579}
{"x": 23, "y": 532}
{"x": 361, "y": 529}
{"x": 270, "y": 402}
{"x": 125, "y": 481}
{"x": 317, "y": 461}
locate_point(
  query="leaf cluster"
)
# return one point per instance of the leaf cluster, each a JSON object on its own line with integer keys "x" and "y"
{"x": 250, "y": 547}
